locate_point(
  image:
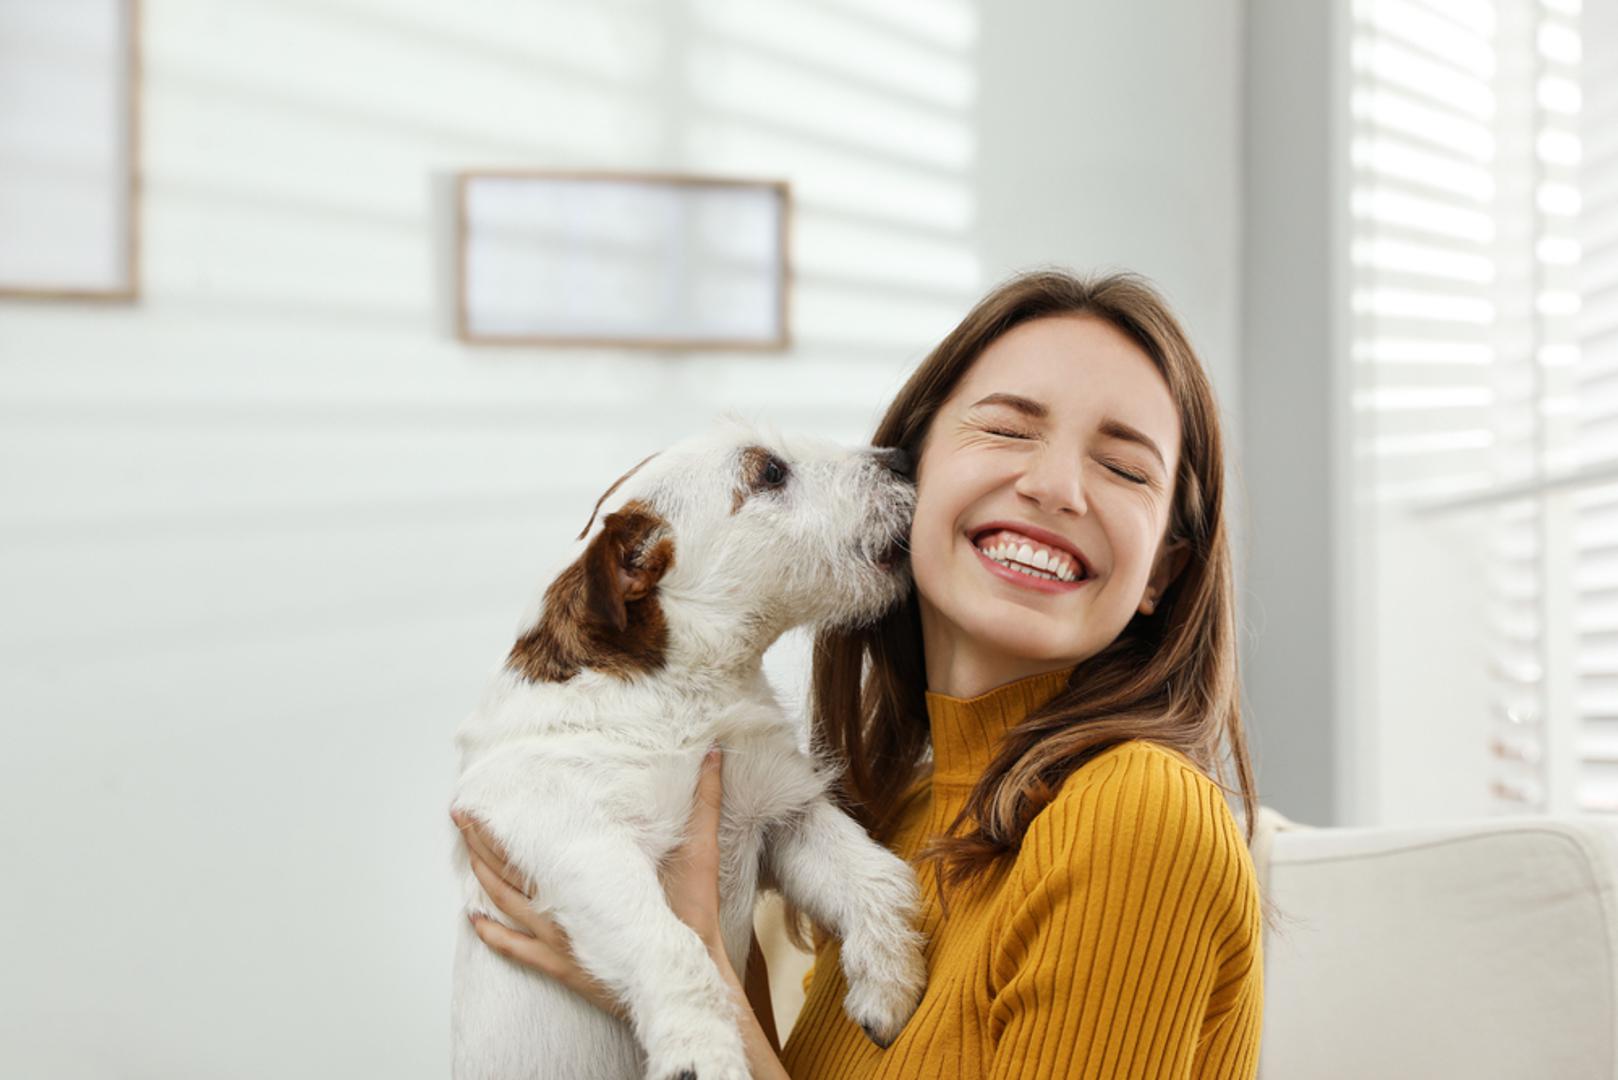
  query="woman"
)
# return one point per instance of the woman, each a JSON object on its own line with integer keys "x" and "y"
{"x": 1039, "y": 728}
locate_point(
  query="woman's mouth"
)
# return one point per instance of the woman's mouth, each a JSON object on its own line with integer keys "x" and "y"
{"x": 1006, "y": 563}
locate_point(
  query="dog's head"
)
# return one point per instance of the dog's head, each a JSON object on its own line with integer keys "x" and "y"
{"x": 721, "y": 543}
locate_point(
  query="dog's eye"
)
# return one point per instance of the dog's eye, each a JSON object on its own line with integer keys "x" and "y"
{"x": 775, "y": 473}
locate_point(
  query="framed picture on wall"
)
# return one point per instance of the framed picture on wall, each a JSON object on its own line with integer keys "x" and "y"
{"x": 656, "y": 260}
{"x": 69, "y": 149}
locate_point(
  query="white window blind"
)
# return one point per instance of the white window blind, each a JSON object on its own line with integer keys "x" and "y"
{"x": 1484, "y": 339}
{"x": 1595, "y": 421}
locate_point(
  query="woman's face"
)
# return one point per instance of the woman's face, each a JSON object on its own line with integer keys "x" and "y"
{"x": 1036, "y": 438}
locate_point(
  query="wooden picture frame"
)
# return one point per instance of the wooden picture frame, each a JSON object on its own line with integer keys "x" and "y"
{"x": 70, "y": 171}
{"x": 621, "y": 259}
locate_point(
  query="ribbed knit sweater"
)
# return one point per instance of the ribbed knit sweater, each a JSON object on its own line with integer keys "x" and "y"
{"x": 1125, "y": 940}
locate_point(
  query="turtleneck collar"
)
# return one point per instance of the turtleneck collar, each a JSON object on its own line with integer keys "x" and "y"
{"x": 966, "y": 732}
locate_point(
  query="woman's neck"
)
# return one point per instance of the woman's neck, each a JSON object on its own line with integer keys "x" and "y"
{"x": 968, "y": 672}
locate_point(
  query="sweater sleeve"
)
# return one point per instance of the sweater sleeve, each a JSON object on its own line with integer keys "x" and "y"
{"x": 1135, "y": 935}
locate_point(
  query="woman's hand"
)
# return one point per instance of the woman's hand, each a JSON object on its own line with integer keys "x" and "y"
{"x": 690, "y": 881}
{"x": 690, "y": 876}
{"x": 540, "y": 944}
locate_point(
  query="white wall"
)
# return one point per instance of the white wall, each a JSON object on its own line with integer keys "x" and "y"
{"x": 1302, "y": 577}
{"x": 1112, "y": 138}
{"x": 264, "y": 534}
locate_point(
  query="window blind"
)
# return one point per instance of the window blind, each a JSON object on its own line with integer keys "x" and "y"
{"x": 1594, "y": 422}
{"x": 1484, "y": 338}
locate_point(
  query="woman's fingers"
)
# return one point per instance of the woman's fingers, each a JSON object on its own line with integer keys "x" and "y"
{"x": 700, "y": 846}
{"x": 509, "y": 900}
{"x": 544, "y": 947}
{"x": 705, "y": 814}
{"x": 485, "y": 847}
{"x": 523, "y": 948}
{"x": 690, "y": 875}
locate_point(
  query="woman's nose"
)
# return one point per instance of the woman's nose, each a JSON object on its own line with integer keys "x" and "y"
{"x": 1055, "y": 482}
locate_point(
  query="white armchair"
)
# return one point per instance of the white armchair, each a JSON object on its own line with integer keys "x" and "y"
{"x": 1484, "y": 949}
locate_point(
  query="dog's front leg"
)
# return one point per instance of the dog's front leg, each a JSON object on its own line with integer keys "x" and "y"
{"x": 605, "y": 894}
{"x": 866, "y": 895}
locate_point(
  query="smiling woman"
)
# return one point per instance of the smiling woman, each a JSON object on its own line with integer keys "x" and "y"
{"x": 1037, "y": 729}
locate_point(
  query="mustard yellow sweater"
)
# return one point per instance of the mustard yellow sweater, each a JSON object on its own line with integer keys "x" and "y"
{"x": 1124, "y": 942}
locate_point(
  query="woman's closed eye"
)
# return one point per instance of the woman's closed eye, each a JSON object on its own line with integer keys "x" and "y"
{"x": 1008, "y": 433}
{"x": 1125, "y": 473}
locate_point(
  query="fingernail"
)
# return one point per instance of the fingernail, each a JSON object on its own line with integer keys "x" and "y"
{"x": 713, "y": 755}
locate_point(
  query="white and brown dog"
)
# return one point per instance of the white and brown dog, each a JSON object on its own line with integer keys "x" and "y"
{"x": 583, "y": 758}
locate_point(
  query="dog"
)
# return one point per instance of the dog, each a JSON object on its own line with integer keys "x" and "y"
{"x": 582, "y": 760}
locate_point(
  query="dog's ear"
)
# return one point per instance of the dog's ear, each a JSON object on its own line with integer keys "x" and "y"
{"x": 586, "y": 620}
{"x": 585, "y": 531}
{"x": 624, "y": 563}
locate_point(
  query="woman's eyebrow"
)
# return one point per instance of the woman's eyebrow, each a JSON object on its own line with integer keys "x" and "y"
{"x": 1111, "y": 427}
{"x": 1029, "y": 406}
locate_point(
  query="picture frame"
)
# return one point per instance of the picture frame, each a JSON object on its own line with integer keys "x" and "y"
{"x": 70, "y": 155}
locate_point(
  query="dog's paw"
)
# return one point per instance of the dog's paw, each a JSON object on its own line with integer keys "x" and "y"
{"x": 883, "y": 995}
{"x": 712, "y": 1059}
{"x": 881, "y": 1012}
{"x": 696, "y": 1073}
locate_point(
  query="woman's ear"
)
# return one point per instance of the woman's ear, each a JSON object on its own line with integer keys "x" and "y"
{"x": 624, "y": 564}
{"x": 1171, "y": 559}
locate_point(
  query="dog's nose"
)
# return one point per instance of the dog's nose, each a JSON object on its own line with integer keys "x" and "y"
{"x": 895, "y": 458}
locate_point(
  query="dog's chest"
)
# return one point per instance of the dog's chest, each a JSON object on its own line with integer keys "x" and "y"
{"x": 762, "y": 786}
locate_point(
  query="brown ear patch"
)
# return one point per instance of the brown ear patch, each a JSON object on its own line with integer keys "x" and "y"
{"x": 602, "y": 612}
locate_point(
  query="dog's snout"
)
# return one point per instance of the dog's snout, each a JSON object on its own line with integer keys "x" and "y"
{"x": 894, "y": 458}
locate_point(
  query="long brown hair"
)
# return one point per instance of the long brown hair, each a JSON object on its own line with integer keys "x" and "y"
{"x": 1169, "y": 677}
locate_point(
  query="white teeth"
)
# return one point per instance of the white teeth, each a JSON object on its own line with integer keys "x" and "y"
{"x": 1024, "y": 558}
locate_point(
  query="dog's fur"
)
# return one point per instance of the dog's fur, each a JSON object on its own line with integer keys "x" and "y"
{"x": 583, "y": 757}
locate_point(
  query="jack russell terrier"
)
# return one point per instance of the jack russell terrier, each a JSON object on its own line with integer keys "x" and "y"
{"x": 582, "y": 760}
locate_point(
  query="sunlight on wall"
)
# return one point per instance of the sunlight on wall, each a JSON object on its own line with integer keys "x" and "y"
{"x": 275, "y": 526}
